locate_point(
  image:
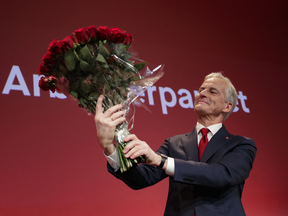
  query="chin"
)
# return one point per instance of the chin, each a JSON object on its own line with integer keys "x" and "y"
{"x": 199, "y": 110}
{"x": 202, "y": 110}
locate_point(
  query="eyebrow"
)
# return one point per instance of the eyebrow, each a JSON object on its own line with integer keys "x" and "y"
{"x": 211, "y": 88}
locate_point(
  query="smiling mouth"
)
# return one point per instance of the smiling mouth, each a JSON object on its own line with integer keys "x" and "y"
{"x": 201, "y": 101}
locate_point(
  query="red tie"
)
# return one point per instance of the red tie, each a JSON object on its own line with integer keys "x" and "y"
{"x": 203, "y": 142}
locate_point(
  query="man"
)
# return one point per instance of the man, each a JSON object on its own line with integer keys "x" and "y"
{"x": 212, "y": 185}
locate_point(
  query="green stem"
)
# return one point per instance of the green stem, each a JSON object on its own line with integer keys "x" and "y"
{"x": 125, "y": 163}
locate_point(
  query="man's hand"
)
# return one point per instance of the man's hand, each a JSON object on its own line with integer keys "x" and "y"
{"x": 106, "y": 124}
{"x": 136, "y": 148}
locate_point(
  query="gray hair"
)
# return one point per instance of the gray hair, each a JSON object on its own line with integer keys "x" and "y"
{"x": 230, "y": 92}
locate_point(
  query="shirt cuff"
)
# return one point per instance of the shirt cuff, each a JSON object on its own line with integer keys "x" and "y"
{"x": 113, "y": 160}
{"x": 170, "y": 169}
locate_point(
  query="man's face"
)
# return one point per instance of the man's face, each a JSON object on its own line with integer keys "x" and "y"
{"x": 210, "y": 101}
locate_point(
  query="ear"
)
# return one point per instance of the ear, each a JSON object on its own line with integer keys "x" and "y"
{"x": 227, "y": 108}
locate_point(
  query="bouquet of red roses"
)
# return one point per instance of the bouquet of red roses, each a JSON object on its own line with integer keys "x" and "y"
{"x": 95, "y": 61}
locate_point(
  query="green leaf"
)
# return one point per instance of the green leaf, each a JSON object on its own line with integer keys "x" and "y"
{"x": 70, "y": 60}
{"x": 85, "y": 54}
{"x": 140, "y": 66}
{"x": 83, "y": 102}
{"x": 85, "y": 87}
{"x": 74, "y": 94}
{"x": 126, "y": 55}
{"x": 101, "y": 79}
{"x": 85, "y": 66}
{"x": 62, "y": 70}
{"x": 105, "y": 66}
{"x": 100, "y": 58}
{"x": 77, "y": 70}
{"x": 120, "y": 48}
{"x": 107, "y": 88}
{"x": 93, "y": 96}
{"x": 75, "y": 85}
{"x": 102, "y": 61}
{"x": 103, "y": 50}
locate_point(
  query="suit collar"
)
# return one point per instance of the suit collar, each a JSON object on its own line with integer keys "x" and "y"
{"x": 190, "y": 144}
{"x": 217, "y": 141}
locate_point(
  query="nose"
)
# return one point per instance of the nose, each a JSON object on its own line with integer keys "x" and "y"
{"x": 202, "y": 93}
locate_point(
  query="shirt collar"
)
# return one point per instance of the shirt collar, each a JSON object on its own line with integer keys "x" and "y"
{"x": 212, "y": 128}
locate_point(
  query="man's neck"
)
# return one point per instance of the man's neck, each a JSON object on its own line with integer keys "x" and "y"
{"x": 206, "y": 121}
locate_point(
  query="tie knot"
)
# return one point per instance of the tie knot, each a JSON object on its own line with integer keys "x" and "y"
{"x": 204, "y": 131}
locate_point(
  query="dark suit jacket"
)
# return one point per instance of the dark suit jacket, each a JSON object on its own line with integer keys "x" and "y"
{"x": 211, "y": 187}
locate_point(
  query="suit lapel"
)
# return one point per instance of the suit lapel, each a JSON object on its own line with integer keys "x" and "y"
{"x": 190, "y": 145}
{"x": 217, "y": 141}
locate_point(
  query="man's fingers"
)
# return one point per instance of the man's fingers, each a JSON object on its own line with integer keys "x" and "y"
{"x": 117, "y": 114}
{"x": 110, "y": 111}
{"x": 136, "y": 148}
{"x": 99, "y": 105}
{"x": 133, "y": 148}
{"x": 113, "y": 110}
{"x": 118, "y": 121}
{"x": 135, "y": 152}
{"x": 130, "y": 137}
{"x": 133, "y": 141}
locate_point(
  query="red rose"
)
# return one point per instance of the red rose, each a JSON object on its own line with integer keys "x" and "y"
{"x": 103, "y": 32}
{"x": 69, "y": 42}
{"x": 92, "y": 31}
{"x": 52, "y": 79}
{"x": 127, "y": 39}
{"x": 43, "y": 70}
{"x": 56, "y": 47}
{"x": 116, "y": 35}
{"x": 48, "y": 83}
{"x": 48, "y": 59}
{"x": 44, "y": 84}
{"x": 82, "y": 35}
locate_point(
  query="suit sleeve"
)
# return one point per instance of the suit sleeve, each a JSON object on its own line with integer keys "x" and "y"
{"x": 231, "y": 168}
{"x": 142, "y": 175}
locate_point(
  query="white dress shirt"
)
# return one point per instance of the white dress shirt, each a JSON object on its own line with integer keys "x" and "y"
{"x": 114, "y": 160}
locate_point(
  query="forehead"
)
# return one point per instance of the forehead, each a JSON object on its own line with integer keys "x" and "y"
{"x": 217, "y": 83}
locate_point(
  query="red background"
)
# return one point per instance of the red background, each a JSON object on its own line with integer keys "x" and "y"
{"x": 50, "y": 161}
